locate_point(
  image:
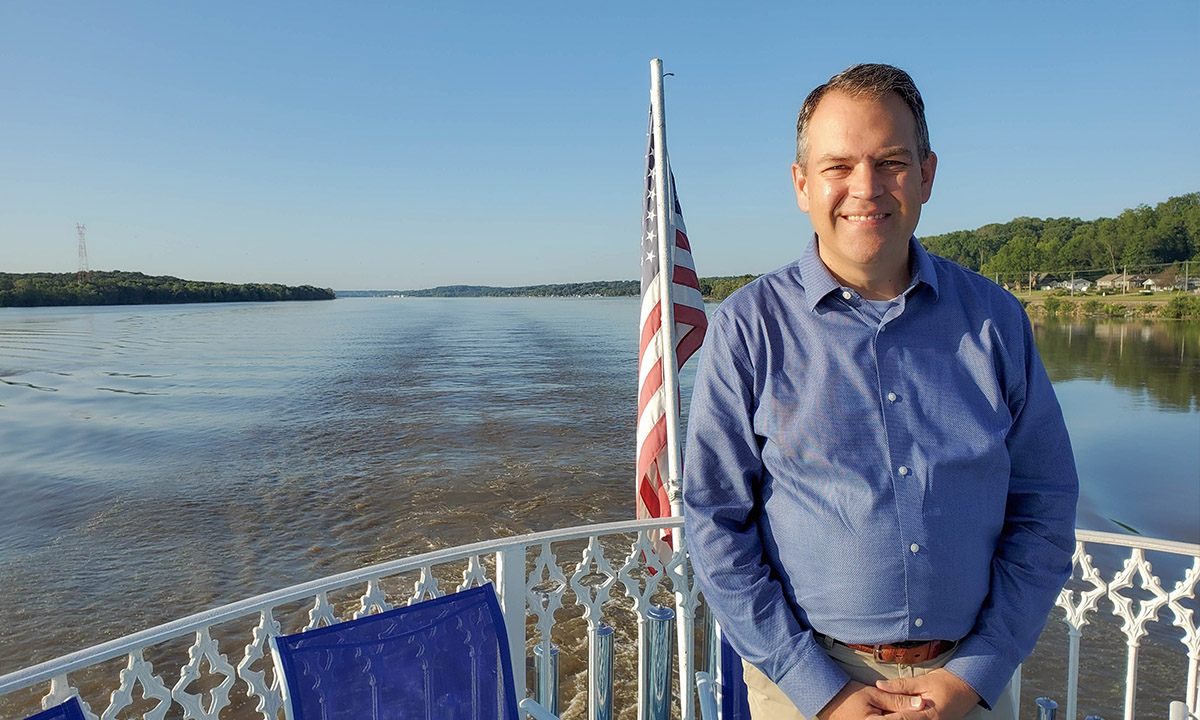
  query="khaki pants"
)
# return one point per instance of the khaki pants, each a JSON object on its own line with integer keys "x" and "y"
{"x": 767, "y": 701}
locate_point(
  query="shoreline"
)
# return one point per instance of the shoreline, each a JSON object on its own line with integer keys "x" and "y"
{"x": 1178, "y": 307}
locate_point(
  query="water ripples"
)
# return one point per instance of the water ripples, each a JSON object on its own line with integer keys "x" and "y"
{"x": 160, "y": 460}
{"x": 189, "y": 456}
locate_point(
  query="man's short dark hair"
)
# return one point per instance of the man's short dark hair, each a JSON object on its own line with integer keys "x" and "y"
{"x": 872, "y": 80}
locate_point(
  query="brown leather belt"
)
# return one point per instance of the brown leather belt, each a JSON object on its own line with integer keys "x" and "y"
{"x": 905, "y": 653}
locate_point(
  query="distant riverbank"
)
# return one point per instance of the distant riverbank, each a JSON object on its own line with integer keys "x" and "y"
{"x": 1176, "y": 306}
{"x": 134, "y": 288}
{"x": 713, "y": 288}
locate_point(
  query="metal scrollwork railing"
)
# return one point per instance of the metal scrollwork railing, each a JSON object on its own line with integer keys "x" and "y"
{"x": 1135, "y": 613}
{"x": 565, "y": 589}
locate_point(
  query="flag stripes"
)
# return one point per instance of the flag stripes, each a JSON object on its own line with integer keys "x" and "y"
{"x": 690, "y": 325}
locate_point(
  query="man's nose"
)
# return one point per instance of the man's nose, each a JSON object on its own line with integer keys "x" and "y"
{"x": 866, "y": 182}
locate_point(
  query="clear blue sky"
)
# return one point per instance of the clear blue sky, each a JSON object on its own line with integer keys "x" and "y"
{"x": 405, "y": 145}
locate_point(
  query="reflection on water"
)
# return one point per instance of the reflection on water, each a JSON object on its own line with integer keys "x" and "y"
{"x": 1130, "y": 391}
{"x": 1158, "y": 361}
{"x": 161, "y": 460}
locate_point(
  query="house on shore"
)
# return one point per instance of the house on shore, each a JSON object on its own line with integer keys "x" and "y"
{"x": 1121, "y": 282}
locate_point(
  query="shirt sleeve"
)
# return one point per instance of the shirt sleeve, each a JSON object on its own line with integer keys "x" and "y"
{"x": 1033, "y": 556}
{"x": 722, "y": 474}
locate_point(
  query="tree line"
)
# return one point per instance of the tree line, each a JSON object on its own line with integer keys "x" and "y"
{"x": 717, "y": 287}
{"x": 1137, "y": 240}
{"x": 599, "y": 288}
{"x": 1140, "y": 240}
{"x": 134, "y": 288}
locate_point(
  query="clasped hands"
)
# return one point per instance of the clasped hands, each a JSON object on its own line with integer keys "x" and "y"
{"x": 938, "y": 695}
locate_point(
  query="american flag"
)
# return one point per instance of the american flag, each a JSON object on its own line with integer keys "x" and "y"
{"x": 690, "y": 324}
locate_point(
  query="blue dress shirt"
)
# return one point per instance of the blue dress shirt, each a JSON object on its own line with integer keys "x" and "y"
{"x": 877, "y": 477}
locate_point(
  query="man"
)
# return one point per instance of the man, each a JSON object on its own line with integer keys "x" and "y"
{"x": 879, "y": 488}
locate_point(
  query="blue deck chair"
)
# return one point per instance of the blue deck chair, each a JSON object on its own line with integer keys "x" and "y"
{"x": 69, "y": 710}
{"x": 445, "y": 658}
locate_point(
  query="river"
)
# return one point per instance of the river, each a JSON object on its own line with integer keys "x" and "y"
{"x": 158, "y": 460}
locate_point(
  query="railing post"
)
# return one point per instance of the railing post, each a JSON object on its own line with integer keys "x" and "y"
{"x": 510, "y": 584}
{"x": 1047, "y": 708}
{"x": 708, "y": 651}
{"x": 600, "y": 677}
{"x": 1073, "y": 636}
{"x": 546, "y": 675}
{"x": 1131, "y": 671}
{"x": 686, "y": 604}
{"x": 1177, "y": 710}
{"x": 659, "y": 631}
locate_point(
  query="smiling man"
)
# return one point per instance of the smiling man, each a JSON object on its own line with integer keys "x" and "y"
{"x": 879, "y": 488}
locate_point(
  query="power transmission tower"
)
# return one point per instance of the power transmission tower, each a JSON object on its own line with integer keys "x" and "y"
{"x": 84, "y": 272}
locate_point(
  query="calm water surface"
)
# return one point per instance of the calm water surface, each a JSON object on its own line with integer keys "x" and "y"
{"x": 158, "y": 460}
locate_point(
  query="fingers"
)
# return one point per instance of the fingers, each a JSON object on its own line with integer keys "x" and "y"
{"x": 895, "y": 701}
{"x": 898, "y": 700}
{"x": 856, "y": 701}
{"x": 904, "y": 686}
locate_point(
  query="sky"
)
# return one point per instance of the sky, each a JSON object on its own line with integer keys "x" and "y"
{"x": 404, "y": 145}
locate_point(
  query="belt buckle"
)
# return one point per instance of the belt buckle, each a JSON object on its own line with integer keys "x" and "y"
{"x": 877, "y": 653}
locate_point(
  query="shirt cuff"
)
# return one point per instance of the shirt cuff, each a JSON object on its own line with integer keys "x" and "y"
{"x": 812, "y": 682}
{"x": 983, "y": 667}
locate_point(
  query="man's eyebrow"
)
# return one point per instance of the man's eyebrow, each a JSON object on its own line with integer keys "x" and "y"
{"x": 888, "y": 152}
{"x": 829, "y": 157}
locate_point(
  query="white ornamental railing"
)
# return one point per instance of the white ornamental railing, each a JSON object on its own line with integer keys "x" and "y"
{"x": 558, "y": 586}
{"x": 1136, "y": 613}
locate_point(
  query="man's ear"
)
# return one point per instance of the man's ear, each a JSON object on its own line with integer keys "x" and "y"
{"x": 800, "y": 183}
{"x": 928, "y": 168}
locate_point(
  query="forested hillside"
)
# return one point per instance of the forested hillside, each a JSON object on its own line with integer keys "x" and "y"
{"x": 134, "y": 288}
{"x": 1142, "y": 239}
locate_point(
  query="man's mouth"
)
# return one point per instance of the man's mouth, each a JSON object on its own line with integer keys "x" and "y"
{"x": 865, "y": 218}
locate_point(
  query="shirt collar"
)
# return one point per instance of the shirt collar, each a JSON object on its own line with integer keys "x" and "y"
{"x": 817, "y": 281}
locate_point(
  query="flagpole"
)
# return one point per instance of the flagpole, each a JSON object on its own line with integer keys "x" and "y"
{"x": 666, "y": 275}
{"x": 670, "y": 370}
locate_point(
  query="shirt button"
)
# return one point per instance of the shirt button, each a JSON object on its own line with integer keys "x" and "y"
{"x": 846, "y": 294}
{"x": 893, "y": 397}
{"x": 903, "y": 469}
{"x": 914, "y": 547}
{"x": 918, "y": 622}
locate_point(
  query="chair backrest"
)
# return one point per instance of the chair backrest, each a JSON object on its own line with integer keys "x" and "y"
{"x": 442, "y": 658}
{"x": 69, "y": 710}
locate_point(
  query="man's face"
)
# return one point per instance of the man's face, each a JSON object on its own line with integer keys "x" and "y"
{"x": 863, "y": 184}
